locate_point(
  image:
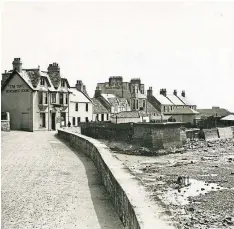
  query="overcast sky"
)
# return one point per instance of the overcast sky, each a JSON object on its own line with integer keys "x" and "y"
{"x": 183, "y": 46}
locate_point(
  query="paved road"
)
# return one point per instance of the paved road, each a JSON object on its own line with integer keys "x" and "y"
{"x": 45, "y": 184}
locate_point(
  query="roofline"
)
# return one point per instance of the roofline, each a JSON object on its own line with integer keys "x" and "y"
{"x": 83, "y": 94}
{"x": 10, "y": 77}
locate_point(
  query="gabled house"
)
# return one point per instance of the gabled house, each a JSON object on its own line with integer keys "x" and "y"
{"x": 35, "y": 99}
{"x": 80, "y": 105}
{"x": 100, "y": 112}
{"x": 172, "y": 106}
{"x": 111, "y": 102}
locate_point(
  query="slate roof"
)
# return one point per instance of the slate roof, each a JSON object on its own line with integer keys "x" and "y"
{"x": 228, "y": 118}
{"x": 55, "y": 78}
{"x": 162, "y": 99}
{"x": 181, "y": 110}
{"x": 215, "y": 111}
{"x": 186, "y": 101}
{"x": 98, "y": 107}
{"x": 175, "y": 100}
{"x": 150, "y": 108}
{"x": 32, "y": 78}
{"x": 78, "y": 96}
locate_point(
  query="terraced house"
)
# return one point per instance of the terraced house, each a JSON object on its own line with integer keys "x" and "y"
{"x": 35, "y": 99}
{"x": 81, "y": 107}
{"x": 172, "y": 106}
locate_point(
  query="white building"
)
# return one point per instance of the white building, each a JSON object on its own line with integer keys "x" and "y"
{"x": 80, "y": 105}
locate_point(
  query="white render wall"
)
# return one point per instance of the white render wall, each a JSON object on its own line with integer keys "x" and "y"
{"x": 100, "y": 117}
{"x": 82, "y": 113}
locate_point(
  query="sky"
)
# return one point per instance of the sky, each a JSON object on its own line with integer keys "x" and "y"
{"x": 172, "y": 45}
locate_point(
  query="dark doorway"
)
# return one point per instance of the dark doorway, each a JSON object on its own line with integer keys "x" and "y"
{"x": 53, "y": 121}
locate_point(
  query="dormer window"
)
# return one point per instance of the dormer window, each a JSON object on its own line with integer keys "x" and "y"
{"x": 63, "y": 83}
{"x": 42, "y": 82}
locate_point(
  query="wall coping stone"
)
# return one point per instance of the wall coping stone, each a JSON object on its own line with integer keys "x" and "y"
{"x": 146, "y": 211}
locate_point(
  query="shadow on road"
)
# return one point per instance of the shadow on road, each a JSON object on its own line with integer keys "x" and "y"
{"x": 105, "y": 211}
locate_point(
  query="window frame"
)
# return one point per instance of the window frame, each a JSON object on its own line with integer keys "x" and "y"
{"x": 77, "y": 107}
{"x": 42, "y": 81}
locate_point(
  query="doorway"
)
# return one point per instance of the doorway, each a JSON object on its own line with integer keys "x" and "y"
{"x": 25, "y": 121}
{"x": 53, "y": 121}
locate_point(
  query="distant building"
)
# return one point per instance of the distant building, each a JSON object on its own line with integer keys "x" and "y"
{"x": 112, "y": 103}
{"x": 100, "y": 112}
{"x": 210, "y": 118}
{"x": 130, "y": 116}
{"x": 133, "y": 91}
{"x": 172, "y": 107}
{"x": 81, "y": 107}
{"x": 35, "y": 99}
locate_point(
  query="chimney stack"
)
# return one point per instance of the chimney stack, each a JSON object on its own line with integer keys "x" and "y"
{"x": 53, "y": 68}
{"x": 150, "y": 92}
{"x": 98, "y": 92}
{"x": 163, "y": 91}
{"x": 183, "y": 93}
{"x": 79, "y": 85}
{"x": 17, "y": 64}
{"x": 175, "y": 92}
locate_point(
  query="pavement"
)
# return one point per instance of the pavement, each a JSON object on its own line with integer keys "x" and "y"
{"x": 46, "y": 184}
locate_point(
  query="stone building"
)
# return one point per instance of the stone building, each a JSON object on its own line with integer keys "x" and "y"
{"x": 80, "y": 105}
{"x": 133, "y": 91}
{"x": 172, "y": 106}
{"x": 100, "y": 112}
{"x": 111, "y": 102}
{"x": 35, "y": 99}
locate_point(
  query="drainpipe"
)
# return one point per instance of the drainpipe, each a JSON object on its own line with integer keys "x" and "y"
{"x": 48, "y": 111}
{"x": 68, "y": 108}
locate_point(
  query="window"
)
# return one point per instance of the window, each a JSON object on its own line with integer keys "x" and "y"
{"x": 86, "y": 119}
{"x": 102, "y": 117}
{"x": 61, "y": 98}
{"x": 87, "y": 107}
{"x": 144, "y": 103}
{"x": 164, "y": 108}
{"x": 78, "y": 120}
{"x": 133, "y": 105}
{"x": 63, "y": 83}
{"x": 107, "y": 116}
{"x": 42, "y": 120}
{"x": 137, "y": 104}
{"x": 73, "y": 121}
{"x": 66, "y": 98}
{"x": 53, "y": 98}
{"x": 45, "y": 97}
{"x": 40, "y": 97}
{"x": 76, "y": 106}
{"x": 96, "y": 117}
{"x": 42, "y": 81}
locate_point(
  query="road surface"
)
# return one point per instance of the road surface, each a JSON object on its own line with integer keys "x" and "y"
{"x": 45, "y": 184}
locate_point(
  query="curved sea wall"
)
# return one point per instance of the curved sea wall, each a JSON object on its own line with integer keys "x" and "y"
{"x": 130, "y": 199}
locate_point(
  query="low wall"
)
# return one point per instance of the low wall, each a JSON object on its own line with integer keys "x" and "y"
{"x": 151, "y": 135}
{"x": 131, "y": 202}
{"x": 5, "y": 125}
{"x": 211, "y": 134}
{"x": 5, "y": 121}
{"x": 225, "y": 132}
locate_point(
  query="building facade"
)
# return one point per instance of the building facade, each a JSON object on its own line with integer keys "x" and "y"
{"x": 35, "y": 99}
{"x": 80, "y": 105}
{"x": 133, "y": 91}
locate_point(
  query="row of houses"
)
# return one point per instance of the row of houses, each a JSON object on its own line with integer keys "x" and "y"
{"x": 44, "y": 100}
